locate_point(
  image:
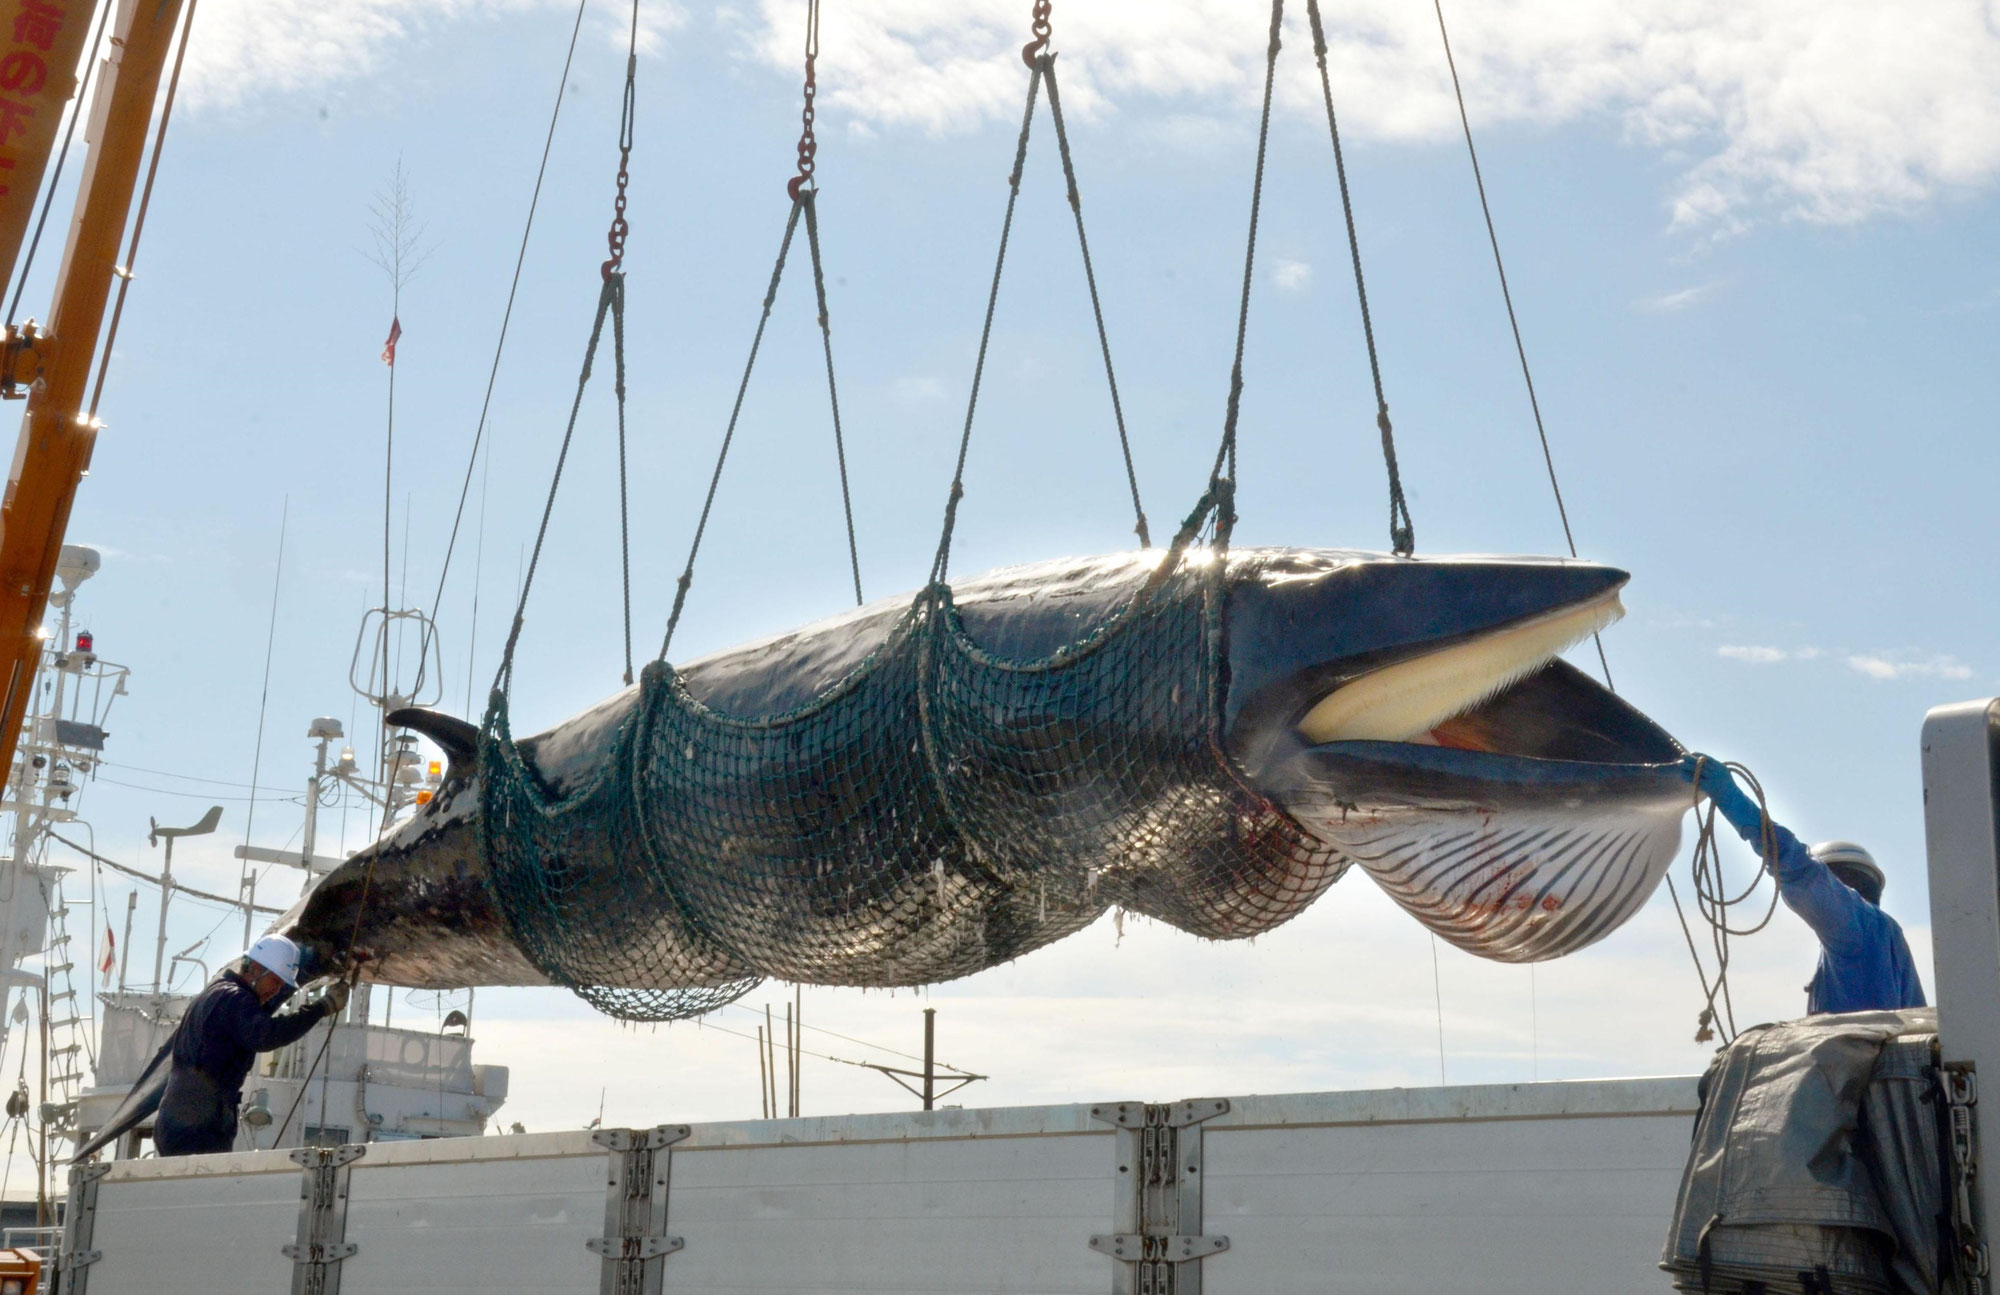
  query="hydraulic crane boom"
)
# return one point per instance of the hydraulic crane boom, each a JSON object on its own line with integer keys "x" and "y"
{"x": 42, "y": 40}
{"x": 56, "y": 435}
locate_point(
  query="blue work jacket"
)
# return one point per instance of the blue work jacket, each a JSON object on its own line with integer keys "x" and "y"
{"x": 1864, "y": 961}
{"x": 225, "y": 1027}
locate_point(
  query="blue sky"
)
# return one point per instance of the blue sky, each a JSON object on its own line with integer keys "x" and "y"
{"x": 1752, "y": 248}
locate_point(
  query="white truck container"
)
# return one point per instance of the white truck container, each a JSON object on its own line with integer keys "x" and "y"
{"x": 1499, "y": 1188}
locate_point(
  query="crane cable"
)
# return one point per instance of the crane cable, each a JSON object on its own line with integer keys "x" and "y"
{"x": 1716, "y": 1016}
{"x": 506, "y": 319}
{"x": 808, "y": 155}
{"x": 1036, "y": 53}
{"x": 1042, "y": 67}
{"x": 611, "y": 303}
{"x": 1513, "y": 321}
{"x": 1402, "y": 531}
{"x": 611, "y": 298}
{"x": 803, "y": 190}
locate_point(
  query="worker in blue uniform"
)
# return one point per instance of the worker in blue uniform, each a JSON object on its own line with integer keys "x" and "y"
{"x": 220, "y": 1035}
{"x": 1864, "y": 959}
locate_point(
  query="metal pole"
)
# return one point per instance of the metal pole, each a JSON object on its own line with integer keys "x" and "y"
{"x": 930, "y": 1056}
{"x": 771, "y": 1048}
{"x": 763, "y": 1091}
{"x": 62, "y": 650}
{"x": 42, "y": 1161}
{"x": 312, "y": 804}
{"x": 125, "y": 954}
{"x": 798, "y": 1045}
{"x": 166, "y": 892}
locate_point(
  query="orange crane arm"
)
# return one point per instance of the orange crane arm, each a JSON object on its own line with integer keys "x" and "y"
{"x": 56, "y": 437}
{"x": 40, "y": 44}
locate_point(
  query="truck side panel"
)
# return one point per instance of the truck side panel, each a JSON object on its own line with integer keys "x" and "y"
{"x": 508, "y": 1225}
{"x": 196, "y": 1235}
{"x": 1003, "y": 1214}
{"x": 1496, "y": 1189}
{"x": 1497, "y": 1206}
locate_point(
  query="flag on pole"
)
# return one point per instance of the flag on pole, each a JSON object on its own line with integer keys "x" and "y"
{"x": 109, "y": 958}
{"x": 389, "y": 347}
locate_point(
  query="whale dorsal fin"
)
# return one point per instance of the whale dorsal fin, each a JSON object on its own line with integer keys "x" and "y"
{"x": 459, "y": 739}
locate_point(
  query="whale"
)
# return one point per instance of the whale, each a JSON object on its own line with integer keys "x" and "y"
{"x": 930, "y": 785}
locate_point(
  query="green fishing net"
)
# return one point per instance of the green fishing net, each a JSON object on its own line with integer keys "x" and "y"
{"x": 940, "y": 810}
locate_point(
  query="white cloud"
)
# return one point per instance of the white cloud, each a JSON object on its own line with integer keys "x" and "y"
{"x": 1903, "y": 666}
{"x": 1291, "y": 276}
{"x": 1667, "y": 303}
{"x": 1874, "y": 665}
{"x": 243, "y": 50}
{"x": 916, "y": 391}
{"x": 1829, "y": 111}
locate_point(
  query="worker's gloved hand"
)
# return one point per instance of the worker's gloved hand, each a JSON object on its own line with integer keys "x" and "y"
{"x": 1735, "y": 807}
{"x": 336, "y": 998}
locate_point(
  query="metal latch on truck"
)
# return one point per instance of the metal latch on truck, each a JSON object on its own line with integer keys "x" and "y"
{"x": 74, "y": 1257}
{"x": 635, "y": 1241}
{"x": 322, "y": 1238}
{"x": 1159, "y": 1244}
{"x": 1961, "y": 1093}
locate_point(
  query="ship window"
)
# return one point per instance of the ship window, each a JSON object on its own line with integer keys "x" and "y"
{"x": 326, "y": 1135}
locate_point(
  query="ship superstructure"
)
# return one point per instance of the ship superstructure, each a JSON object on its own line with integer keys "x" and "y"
{"x": 358, "y": 1080}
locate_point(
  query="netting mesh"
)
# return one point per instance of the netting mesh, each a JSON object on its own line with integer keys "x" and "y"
{"x": 940, "y": 810}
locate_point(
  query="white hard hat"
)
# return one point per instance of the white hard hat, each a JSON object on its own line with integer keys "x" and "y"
{"x": 278, "y": 955}
{"x": 1847, "y": 856}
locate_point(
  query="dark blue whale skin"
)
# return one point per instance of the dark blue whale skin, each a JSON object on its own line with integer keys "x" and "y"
{"x": 418, "y": 908}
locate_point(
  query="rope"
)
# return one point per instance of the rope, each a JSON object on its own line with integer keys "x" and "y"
{"x": 610, "y": 299}
{"x": 1047, "y": 63}
{"x": 729, "y": 433}
{"x": 1513, "y": 322}
{"x": 802, "y": 188}
{"x": 1437, "y": 995}
{"x": 1402, "y": 532}
{"x": 145, "y": 202}
{"x": 624, "y": 506}
{"x": 1225, "y": 454}
{"x": 804, "y": 193}
{"x": 506, "y": 318}
{"x": 55, "y": 178}
{"x": 1713, "y": 902}
{"x": 811, "y": 203}
{"x": 612, "y": 269}
{"x": 941, "y": 562}
{"x": 1042, "y": 67}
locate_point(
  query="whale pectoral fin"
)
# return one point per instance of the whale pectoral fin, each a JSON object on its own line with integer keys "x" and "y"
{"x": 459, "y": 740}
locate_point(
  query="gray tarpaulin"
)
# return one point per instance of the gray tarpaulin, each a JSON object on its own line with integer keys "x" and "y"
{"x": 1817, "y": 1165}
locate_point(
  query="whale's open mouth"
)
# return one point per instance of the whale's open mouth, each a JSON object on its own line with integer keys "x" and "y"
{"x": 1502, "y": 797}
{"x": 1410, "y": 700}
